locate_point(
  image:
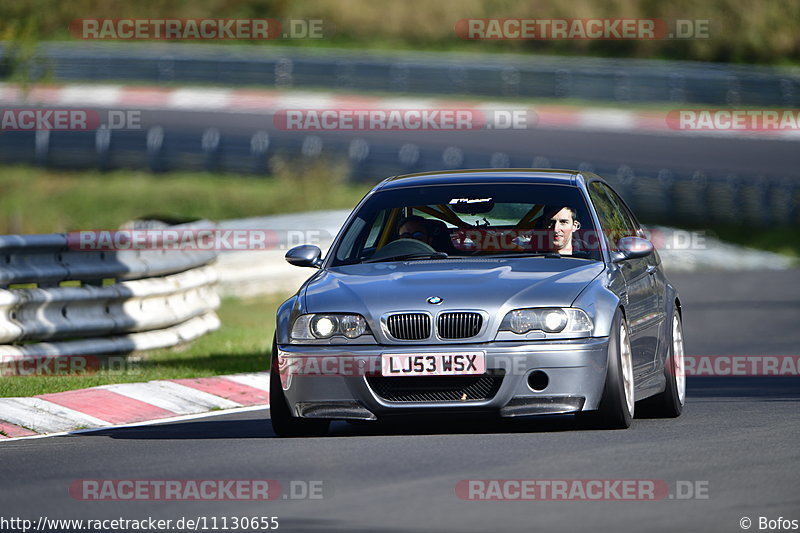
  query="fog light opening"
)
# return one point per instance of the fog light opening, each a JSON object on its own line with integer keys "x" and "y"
{"x": 538, "y": 380}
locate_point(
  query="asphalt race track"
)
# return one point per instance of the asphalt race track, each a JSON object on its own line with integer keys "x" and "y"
{"x": 736, "y": 444}
{"x": 712, "y": 154}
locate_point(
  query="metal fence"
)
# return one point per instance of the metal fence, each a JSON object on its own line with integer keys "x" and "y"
{"x": 665, "y": 194}
{"x": 527, "y": 76}
{"x": 56, "y": 300}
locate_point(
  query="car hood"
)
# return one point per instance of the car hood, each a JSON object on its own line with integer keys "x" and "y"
{"x": 493, "y": 285}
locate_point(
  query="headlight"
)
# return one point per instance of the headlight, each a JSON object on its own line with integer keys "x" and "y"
{"x": 549, "y": 320}
{"x": 352, "y": 326}
{"x": 325, "y": 326}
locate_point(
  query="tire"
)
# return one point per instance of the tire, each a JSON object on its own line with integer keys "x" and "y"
{"x": 283, "y": 423}
{"x": 617, "y": 404}
{"x": 669, "y": 404}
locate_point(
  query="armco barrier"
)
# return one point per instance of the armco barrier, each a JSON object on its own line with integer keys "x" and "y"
{"x": 667, "y": 195}
{"x": 494, "y": 75}
{"x": 113, "y": 301}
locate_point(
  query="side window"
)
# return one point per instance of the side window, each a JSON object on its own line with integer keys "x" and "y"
{"x": 349, "y": 239}
{"x": 375, "y": 231}
{"x": 630, "y": 220}
{"x": 615, "y": 222}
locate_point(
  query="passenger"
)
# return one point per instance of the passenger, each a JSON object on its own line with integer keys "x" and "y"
{"x": 414, "y": 227}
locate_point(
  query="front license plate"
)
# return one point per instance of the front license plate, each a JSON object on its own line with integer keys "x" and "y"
{"x": 433, "y": 364}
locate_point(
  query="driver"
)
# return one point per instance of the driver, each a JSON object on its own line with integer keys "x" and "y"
{"x": 562, "y": 222}
{"x": 414, "y": 227}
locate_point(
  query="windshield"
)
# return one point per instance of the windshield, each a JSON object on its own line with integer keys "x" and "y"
{"x": 457, "y": 221}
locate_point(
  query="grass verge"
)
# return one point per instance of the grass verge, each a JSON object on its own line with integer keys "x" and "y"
{"x": 70, "y": 199}
{"x": 781, "y": 240}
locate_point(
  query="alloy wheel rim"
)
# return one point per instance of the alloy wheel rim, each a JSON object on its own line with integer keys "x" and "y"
{"x": 627, "y": 367}
{"x": 677, "y": 358}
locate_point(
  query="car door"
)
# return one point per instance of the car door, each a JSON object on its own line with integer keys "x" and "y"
{"x": 640, "y": 297}
{"x": 653, "y": 327}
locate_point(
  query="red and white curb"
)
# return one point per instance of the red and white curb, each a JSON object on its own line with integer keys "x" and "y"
{"x": 129, "y": 403}
{"x": 265, "y": 101}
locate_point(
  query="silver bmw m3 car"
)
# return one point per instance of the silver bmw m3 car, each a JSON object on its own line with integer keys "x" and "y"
{"x": 507, "y": 293}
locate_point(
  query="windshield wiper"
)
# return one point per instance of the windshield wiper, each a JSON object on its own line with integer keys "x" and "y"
{"x": 416, "y": 255}
{"x": 553, "y": 255}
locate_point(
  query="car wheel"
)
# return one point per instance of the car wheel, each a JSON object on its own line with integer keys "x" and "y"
{"x": 669, "y": 404}
{"x": 617, "y": 403}
{"x": 283, "y": 423}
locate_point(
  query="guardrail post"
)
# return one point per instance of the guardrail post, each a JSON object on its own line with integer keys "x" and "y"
{"x": 155, "y": 146}
{"x": 762, "y": 200}
{"x": 166, "y": 69}
{"x": 700, "y": 187}
{"x": 677, "y": 88}
{"x": 667, "y": 182}
{"x": 284, "y": 69}
{"x": 511, "y": 78}
{"x": 357, "y": 153}
{"x": 312, "y": 147}
{"x": 259, "y": 148}
{"x": 782, "y": 201}
{"x": 499, "y": 160}
{"x": 540, "y": 162}
{"x": 622, "y": 86}
{"x": 626, "y": 180}
{"x": 409, "y": 155}
{"x": 209, "y": 143}
{"x": 563, "y": 83}
{"x": 102, "y": 145}
{"x": 458, "y": 76}
{"x": 734, "y": 186}
{"x": 452, "y": 157}
{"x": 398, "y": 78}
{"x": 788, "y": 92}
{"x": 41, "y": 141}
{"x": 733, "y": 96}
{"x": 345, "y": 75}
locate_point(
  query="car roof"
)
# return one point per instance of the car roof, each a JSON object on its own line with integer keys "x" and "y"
{"x": 490, "y": 175}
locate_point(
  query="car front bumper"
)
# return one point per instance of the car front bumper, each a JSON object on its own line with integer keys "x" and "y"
{"x": 325, "y": 381}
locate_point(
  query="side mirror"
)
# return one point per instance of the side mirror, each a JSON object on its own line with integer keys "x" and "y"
{"x": 632, "y": 248}
{"x": 306, "y": 255}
